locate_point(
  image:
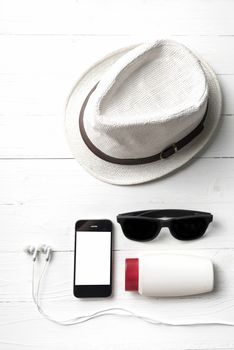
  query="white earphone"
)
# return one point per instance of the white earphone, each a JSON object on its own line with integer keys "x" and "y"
{"x": 31, "y": 250}
{"x": 47, "y": 250}
{"x": 34, "y": 251}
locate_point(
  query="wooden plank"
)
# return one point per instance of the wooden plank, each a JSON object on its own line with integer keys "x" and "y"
{"x": 122, "y": 17}
{"x": 70, "y": 55}
{"x": 45, "y": 46}
{"x": 18, "y": 314}
{"x": 46, "y": 94}
{"x": 16, "y": 269}
{"x": 41, "y": 136}
{"x": 34, "y": 100}
{"x": 42, "y": 199}
{"x": 25, "y": 329}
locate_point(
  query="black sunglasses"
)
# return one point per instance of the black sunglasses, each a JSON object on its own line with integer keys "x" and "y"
{"x": 145, "y": 225}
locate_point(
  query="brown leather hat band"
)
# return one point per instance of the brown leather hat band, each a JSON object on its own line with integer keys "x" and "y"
{"x": 136, "y": 161}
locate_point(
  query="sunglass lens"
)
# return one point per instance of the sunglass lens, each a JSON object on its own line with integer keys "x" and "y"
{"x": 139, "y": 230}
{"x": 188, "y": 229}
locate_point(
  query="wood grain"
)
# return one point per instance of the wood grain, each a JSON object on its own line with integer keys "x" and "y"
{"x": 45, "y": 47}
{"x": 18, "y": 311}
{"x": 42, "y": 199}
{"x": 69, "y": 17}
{"x": 33, "y": 332}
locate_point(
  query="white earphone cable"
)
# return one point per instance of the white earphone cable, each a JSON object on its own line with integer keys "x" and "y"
{"x": 117, "y": 311}
{"x": 84, "y": 318}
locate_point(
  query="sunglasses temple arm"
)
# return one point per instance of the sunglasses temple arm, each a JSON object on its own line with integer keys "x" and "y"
{"x": 162, "y": 212}
{"x": 146, "y": 212}
{"x": 134, "y": 213}
{"x": 141, "y": 213}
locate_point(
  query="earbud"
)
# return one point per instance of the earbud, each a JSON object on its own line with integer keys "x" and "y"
{"x": 31, "y": 250}
{"x": 45, "y": 249}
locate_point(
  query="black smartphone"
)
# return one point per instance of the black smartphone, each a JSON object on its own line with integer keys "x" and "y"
{"x": 93, "y": 259}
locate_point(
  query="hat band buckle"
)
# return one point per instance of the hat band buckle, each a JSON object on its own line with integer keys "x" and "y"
{"x": 169, "y": 151}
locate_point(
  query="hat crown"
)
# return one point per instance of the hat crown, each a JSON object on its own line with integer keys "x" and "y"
{"x": 150, "y": 98}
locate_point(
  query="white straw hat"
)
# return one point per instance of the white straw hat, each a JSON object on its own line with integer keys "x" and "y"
{"x": 142, "y": 112}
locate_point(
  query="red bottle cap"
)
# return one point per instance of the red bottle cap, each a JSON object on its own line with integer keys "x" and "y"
{"x": 131, "y": 274}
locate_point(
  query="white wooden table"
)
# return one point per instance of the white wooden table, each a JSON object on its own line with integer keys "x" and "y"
{"x": 45, "y": 46}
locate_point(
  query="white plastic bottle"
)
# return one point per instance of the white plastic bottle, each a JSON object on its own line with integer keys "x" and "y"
{"x": 169, "y": 275}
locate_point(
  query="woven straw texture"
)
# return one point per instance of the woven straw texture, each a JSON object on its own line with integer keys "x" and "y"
{"x": 148, "y": 97}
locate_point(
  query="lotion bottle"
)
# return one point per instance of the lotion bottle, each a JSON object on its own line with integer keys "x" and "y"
{"x": 169, "y": 275}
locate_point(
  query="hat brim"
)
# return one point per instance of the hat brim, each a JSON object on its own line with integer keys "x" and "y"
{"x": 133, "y": 174}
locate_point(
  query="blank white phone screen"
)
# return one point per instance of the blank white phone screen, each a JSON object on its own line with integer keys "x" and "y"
{"x": 93, "y": 254}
